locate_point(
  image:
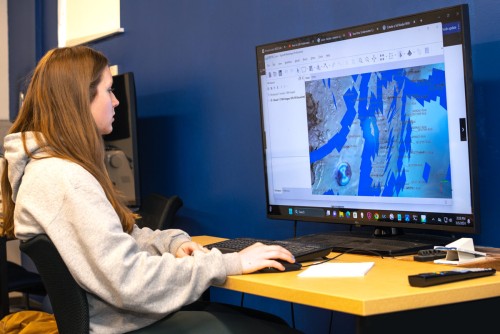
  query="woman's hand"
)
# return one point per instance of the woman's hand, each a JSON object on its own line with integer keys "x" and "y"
{"x": 259, "y": 256}
{"x": 187, "y": 249}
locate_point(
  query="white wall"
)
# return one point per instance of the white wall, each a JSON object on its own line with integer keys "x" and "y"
{"x": 4, "y": 62}
{"x": 83, "y": 21}
{"x": 13, "y": 253}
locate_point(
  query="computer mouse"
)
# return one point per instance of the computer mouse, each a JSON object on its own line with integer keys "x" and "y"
{"x": 288, "y": 267}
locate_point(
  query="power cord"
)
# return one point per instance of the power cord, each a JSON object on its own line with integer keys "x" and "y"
{"x": 328, "y": 259}
{"x": 331, "y": 322}
{"x": 293, "y": 315}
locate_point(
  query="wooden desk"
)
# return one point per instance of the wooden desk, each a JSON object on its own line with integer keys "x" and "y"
{"x": 383, "y": 295}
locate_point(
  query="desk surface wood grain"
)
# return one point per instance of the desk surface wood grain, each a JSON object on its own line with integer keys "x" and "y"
{"x": 383, "y": 289}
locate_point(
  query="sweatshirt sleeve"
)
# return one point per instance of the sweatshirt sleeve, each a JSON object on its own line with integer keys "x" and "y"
{"x": 119, "y": 268}
{"x": 158, "y": 242}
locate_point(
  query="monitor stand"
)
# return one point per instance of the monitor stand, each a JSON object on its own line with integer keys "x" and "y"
{"x": 383, "y": 242}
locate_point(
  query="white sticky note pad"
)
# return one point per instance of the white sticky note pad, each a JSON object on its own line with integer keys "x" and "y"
{"x": 356, "y": 269}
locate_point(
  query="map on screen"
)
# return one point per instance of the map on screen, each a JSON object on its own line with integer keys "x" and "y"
{"x": 380, "y": 134}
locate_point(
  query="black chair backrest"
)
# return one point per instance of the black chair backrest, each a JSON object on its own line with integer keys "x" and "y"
{"x": 15, "y": 277}
{"x": 68, "y": 299}
{"x": 158, "y": 211}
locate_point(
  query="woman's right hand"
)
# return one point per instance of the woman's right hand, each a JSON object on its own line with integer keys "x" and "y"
{"x": 260, "y": 256}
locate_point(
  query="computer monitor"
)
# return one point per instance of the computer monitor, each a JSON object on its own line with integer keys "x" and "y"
{"x": 121, "y": 158}
{"x": 373, "y": 125}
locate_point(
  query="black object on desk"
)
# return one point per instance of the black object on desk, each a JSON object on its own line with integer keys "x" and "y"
{"x": 288, "y": 267}
{"x": 425, "y": 255}
{"x": 448, "y": 276}
{"x": 302, "y": 251}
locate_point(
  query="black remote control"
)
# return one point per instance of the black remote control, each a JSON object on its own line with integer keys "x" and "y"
{"x": 440, "y": 277}
{"x": 424, "y": 255}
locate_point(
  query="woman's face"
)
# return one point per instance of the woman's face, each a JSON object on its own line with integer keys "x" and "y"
{"x": 104, "y": 103}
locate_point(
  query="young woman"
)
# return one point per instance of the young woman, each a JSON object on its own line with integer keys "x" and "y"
{"x": 55, "y": 182}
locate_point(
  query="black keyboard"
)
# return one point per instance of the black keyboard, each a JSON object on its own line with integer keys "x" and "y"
{"x": 302, "y": 251}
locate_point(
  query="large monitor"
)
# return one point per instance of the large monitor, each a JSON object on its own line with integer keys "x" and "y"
{"x": 372, "y": 125}
{"x": 122, "y": 160}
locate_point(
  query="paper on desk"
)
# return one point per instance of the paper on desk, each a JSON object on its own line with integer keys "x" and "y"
{"x": 355, "y": 269}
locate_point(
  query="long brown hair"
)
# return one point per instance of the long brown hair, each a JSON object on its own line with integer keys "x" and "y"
{"x": 57, "y": 109}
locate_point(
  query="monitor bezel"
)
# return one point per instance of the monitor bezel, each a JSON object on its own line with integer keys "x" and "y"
{"x": 282, "y": 211}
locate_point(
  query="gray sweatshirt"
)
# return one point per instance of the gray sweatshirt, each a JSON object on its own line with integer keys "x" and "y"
{"x": 132, "y": 280}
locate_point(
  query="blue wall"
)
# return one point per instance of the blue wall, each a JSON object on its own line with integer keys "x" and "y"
{"x": 199, "y": 127}
{"x": 198, "y": 99}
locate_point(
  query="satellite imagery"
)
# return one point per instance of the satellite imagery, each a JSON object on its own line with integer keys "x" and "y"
{"x": 380, "y": 134}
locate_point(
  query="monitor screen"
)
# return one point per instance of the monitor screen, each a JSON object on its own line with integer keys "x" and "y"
{"x": 121, "y": 158}
{"x": 372, "y": 125}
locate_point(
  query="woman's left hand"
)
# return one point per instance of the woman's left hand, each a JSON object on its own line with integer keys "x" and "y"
{"x": 188, "y": 248}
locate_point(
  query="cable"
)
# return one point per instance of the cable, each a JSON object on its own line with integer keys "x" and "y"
{"x": 331, "y": 322}
{"x": 328, "y": 259}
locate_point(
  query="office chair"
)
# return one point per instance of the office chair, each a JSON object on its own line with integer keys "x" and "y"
{"x": 16, "y": 278}
{"x": 68, "y": 299}
{"x": 157, "y": 211}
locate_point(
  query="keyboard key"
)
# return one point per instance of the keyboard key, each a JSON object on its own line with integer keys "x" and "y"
{"x": 301, "y": 251}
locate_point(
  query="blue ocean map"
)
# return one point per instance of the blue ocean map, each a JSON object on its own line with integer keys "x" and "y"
{"x": 380, "y": 134}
